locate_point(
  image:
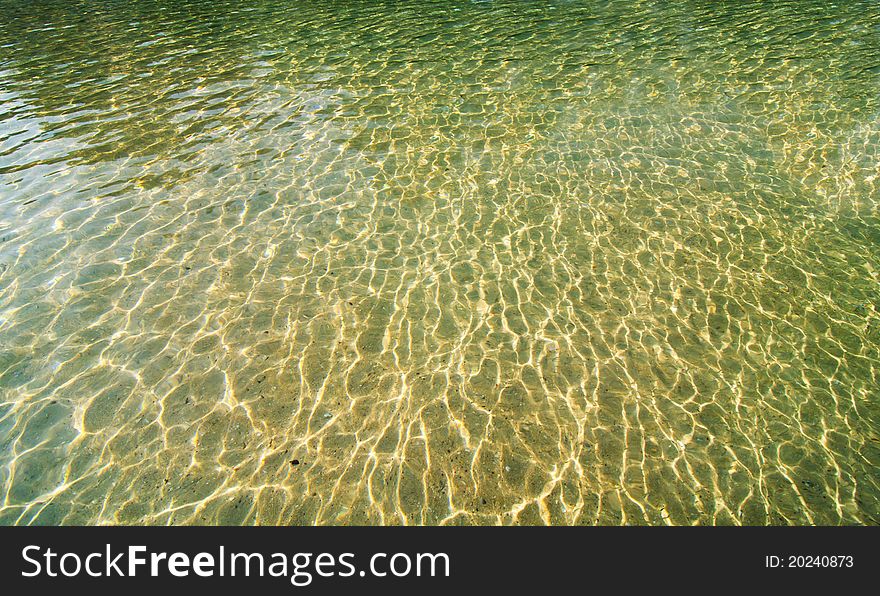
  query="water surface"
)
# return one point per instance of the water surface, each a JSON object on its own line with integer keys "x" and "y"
{"x": 439, "y": 262}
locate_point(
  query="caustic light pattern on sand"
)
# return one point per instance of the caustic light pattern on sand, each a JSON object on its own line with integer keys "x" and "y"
{"x": 439, "y": 262}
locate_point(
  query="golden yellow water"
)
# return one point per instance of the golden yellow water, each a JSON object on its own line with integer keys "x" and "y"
{"x": 439, "y": 262}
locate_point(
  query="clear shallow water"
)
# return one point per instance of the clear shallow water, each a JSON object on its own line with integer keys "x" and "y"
{"x": 439, "y": 262}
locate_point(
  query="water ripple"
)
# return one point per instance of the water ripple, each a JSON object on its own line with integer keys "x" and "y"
{"x": 439, "y": 262}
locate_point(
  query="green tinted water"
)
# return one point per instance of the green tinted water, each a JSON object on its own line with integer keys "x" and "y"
{"x": 434, "y": 262}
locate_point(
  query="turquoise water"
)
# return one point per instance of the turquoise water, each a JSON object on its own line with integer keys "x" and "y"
{"x": 439, "y": 262}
